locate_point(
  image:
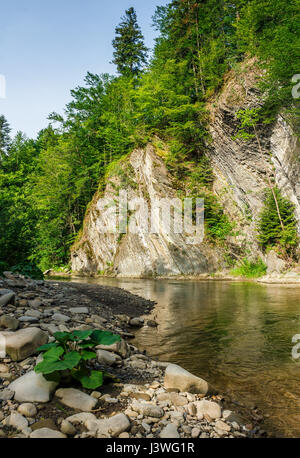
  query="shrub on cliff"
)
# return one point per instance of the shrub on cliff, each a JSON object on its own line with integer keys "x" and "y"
{"x": 275, "y": 233}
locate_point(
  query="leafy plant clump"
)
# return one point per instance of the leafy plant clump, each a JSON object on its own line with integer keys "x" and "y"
{"x": 250, "y": 269}
{"x": 29, "y": 269}
{"x": 67, "y": 358}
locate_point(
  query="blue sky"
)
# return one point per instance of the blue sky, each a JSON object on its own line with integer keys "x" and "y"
{"x": 46, "y": 49}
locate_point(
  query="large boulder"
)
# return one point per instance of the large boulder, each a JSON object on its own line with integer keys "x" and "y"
{"x": 32, "y": 387}
{"x": 178, "y": 378}
{"x": 23, "y": 343}
{"x": 76, "y": 399}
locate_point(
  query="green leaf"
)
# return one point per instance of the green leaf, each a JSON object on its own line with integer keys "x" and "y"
{"x": 81, "y": 335}
{"x": 105, "y": 337}
{"x": 71, "y": 359}
{"x": 49, "y": 366}
{"x": 47, "y": 346}
{"x": 62, "y": 337}
{"x": 86, "y": 355}
{"x": 53, "y": 354}
{"x": 92, "y": 381}
{"x": 52, "y": 363}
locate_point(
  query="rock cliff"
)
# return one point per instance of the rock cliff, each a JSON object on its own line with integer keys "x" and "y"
{"x": 240, "y": 172}
{"x": 143, "y": 175}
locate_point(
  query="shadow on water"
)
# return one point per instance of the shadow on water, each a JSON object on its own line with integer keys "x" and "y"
{"x": 236, "y": 335}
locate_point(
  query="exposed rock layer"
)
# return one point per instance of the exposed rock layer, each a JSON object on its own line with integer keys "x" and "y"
{"x": 241, "y": 170}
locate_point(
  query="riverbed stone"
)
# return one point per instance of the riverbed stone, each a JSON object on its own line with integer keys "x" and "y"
{"x": 121, "y": 348}
{"x": 3, "y": 369}
{"x": 35, "y": 303}
{"x": 9, "y": 322}
{"x": 67, "y": 428}
{"x": 33, "y": 313}
{"x": 136, "y": 322}
{"x": 169, "y": 432}
{"x": 195, "y": 433}
{"x": 17, "y": 421}
{"x": 7, "y": 298}
{"x": 107, "y": 357}
{"x": 23, "y": 343}
{"x": 147, "y": 409}
{"x": 221, "y": 427}
{"x": 6, "y": 394}
{"x": 81, "y": 418}
{"x": 28, "y": 319}
{"x": 76, "y": 399}
{"x": 210, "y": 408}
{"x": 27, "y": 409}
{"x": 178, "y": 378}
{"x": 174, "y": 398}
{"x": 110, "y": 427}
{"x": 46, "y": 433}
{"x": 32, "y": 387}
{"x": 79, "y": 310}
{"x": 60, "y": 317}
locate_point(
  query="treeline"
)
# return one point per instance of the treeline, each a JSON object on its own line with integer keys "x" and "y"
{"x": 47, "y": 182}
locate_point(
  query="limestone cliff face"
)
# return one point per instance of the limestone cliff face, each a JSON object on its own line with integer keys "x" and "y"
{"x": 240, "y": 170}
{"x": 240, "y": 167}
{"x": 139, "y": 254}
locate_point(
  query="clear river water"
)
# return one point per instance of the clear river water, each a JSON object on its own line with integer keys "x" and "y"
{"x": 236, "y": 335}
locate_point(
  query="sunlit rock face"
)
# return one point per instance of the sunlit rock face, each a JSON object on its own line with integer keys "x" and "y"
{"x": 139, "y": 253}
{"x": 241, "y": 169}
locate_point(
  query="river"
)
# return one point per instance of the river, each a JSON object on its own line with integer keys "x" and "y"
{"x": 236, "y": 335}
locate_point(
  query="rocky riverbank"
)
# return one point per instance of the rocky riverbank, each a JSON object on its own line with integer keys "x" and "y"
{"x": 150, "y": 398}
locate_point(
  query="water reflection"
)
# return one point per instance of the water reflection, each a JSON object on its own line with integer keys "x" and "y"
{"x": 236, "y": 335}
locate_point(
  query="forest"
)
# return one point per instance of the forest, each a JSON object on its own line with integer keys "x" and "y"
{"x": 159, "y": 95}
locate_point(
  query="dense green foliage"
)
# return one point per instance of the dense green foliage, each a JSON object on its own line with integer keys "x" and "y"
{"x": 28, "y": 269}
{"x": 47, "y": 183}
{"x": 271, "y": 233}
{"x": 66, "y": 359}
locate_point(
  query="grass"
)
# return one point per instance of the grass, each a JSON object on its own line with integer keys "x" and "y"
{"x": 250, "y": 269}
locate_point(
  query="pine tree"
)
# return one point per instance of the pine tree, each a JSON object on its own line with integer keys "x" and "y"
{"x": 4, "y": 136}
{"x": 130, "y": 51}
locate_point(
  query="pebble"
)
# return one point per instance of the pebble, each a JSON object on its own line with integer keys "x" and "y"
{"x": 27, "y": 409}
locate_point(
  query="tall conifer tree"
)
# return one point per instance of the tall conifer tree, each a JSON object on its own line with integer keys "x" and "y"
{"x": 130, "y": 51}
